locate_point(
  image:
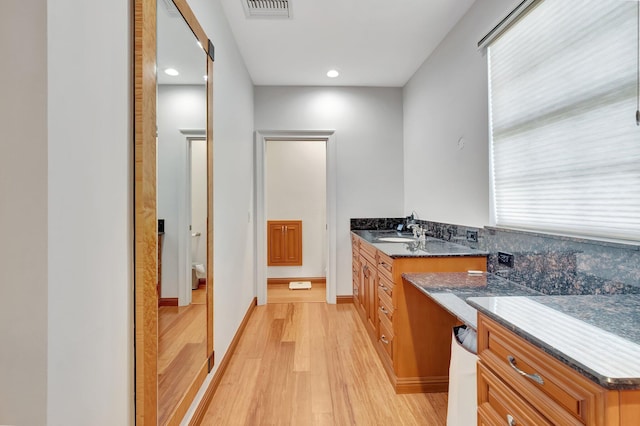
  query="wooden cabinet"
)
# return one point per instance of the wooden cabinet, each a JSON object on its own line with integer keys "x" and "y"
{"x": 411, "y": 333}
{"x": 517, "y": 380}
{"x": 284, "y": 247}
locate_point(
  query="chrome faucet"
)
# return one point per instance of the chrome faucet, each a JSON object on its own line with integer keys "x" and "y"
{"x": 418, "y": 232}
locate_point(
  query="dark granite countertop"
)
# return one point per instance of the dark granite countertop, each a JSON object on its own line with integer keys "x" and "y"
{"x": 451, "y": 289}
{"x": 597, "y": 336}
{"x": 431, "y": 247}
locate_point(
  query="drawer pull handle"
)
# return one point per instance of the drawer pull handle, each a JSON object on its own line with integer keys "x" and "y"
{"x": 511, "y": 421}
{"x": 383, "y": 287}
{"x": 384, "y": 339}
{"x": 535, "y": 377}
{"x": 384, "y": 311}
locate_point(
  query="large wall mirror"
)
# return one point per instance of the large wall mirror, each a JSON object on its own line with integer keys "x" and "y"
{"x": 173, "y": 209}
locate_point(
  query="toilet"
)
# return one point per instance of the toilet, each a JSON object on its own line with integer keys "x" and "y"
{"x": 197, "y": 273}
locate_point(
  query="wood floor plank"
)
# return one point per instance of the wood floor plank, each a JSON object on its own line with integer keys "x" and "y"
{"x": 270, "y": 382}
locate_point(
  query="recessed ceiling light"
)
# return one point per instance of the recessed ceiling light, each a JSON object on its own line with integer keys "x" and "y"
{"x": 333, "y": 73}
{"x": 171, "y": 71}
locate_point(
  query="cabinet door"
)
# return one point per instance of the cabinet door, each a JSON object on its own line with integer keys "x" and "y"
{"x": 370, "y": 297}
{"x": 293, "y": 243}
{"x": 284, "y": 243}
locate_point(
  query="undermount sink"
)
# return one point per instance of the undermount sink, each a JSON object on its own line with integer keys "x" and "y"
{"x": 395, "y": 239}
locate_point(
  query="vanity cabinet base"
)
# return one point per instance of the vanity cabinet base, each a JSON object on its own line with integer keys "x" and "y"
{"x": 411, "y": 332}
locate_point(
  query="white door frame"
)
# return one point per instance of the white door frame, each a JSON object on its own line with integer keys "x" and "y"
{"x": 184, "y": 218}
{"x": 262, "y": 136}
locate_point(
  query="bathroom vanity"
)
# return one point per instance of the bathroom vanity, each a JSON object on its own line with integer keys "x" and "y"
{"x": 551, "y": 360}
{"x": 545, "y": 360}
{"x": 411, "y": 333}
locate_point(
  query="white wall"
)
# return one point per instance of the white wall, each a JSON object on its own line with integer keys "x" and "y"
{"x": 368, "y": 125}
{"x": 90, "y": 309}
{"x": 178, "y": 107}
{"x": 444, "y": 101}
{"x": 296, "y": 190}
{"x": 234, "y": 279}
{"x": 23, "y": 213}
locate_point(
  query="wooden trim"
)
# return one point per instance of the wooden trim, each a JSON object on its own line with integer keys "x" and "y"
{"x": 280, "y": 281}
{"x": 191, "y": 19}
{"x": 198, "y": 416}
{"x": 145, "y": 233}
{"x": 344, "y": 299}
{"x": 168, "y": 301}
{"x": 421, "y": 384}
{"x": 210, "y": 201}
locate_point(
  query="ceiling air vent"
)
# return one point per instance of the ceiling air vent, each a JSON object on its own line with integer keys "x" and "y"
{"x": 267, "y": 9}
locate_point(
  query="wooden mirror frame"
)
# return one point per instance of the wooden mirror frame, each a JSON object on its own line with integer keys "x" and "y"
{"x": 145, "y": 214}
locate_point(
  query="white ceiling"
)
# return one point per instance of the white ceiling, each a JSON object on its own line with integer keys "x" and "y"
{"x": 371, "y": 42}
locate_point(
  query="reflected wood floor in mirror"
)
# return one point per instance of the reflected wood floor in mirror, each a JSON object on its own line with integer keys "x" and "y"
{"x": 313, "y": 364}
{"x": 280, "y": 293}
{"x": 182, "y": 348}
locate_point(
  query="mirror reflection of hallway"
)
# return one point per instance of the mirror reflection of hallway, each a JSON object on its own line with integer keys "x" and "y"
{"x": 198, "y": 187}
{"x": 182, "y": 202}
{"x": 295, "y": 183}
{"x": 182, "y": 329}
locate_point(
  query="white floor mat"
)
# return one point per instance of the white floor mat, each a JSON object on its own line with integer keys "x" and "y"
{"x": 300, "y": 285}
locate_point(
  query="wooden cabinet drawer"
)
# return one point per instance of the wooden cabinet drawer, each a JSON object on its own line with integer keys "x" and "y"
{"x": 385, "y": 286}
{"x": 385, "y": 337}
{"x": 384, "y": 307}
{"x": 385, "y": 266}
{"x": 368, "y": 252}
{"x": 566, "y": 397}
{"x": 499, "y": 405}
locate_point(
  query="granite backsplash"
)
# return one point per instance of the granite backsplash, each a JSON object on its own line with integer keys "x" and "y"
{"x": 553, "y": 265}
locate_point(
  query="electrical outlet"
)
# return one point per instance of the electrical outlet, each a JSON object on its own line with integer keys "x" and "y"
{"x": 505, "y": 259}
{"x": 472, "y": 236}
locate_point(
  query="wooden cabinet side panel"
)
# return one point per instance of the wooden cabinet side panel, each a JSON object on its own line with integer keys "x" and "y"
{"x": 423, "y": 335}
{"x": 422, "y": 343}
{"x": 629, "y": 403}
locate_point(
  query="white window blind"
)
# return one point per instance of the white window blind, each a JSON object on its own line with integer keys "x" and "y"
{"x": 565, "y": 146}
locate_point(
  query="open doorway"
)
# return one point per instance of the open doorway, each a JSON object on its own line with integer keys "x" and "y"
{"x": 327, "y": 138}
{"x": 296, "y": 211}
{"x": 198, "y": 202}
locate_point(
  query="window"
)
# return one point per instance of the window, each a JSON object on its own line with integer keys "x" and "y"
{"x": 565, "y": 147}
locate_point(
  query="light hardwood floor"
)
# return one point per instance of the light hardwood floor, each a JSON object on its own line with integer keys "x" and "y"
{"x": 182, "y": 348}
{"x": 280, "y": 293}
{"x": 313, "y": 364}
